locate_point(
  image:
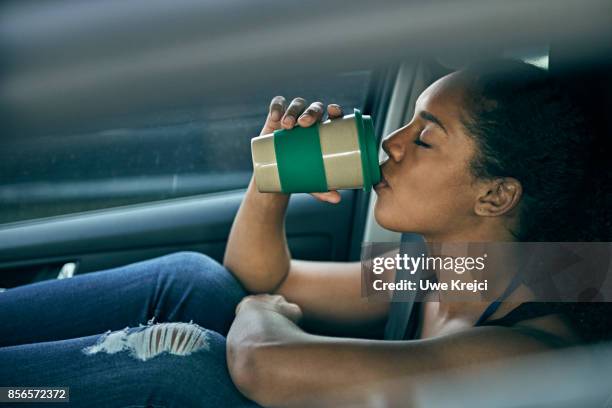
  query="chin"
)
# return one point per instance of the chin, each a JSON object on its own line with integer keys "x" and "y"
{"x": 387, "y": 220}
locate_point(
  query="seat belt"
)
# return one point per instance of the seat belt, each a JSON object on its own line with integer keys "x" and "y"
{"x": 402, "y": 302}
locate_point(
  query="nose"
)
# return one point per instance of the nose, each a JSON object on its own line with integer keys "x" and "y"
{"x": 394, "y": 146}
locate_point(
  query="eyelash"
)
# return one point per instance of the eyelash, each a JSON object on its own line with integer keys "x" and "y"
{"x": 421, "y": 143}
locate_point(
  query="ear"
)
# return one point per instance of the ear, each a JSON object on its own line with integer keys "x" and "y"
{"x": 498, "y": 197}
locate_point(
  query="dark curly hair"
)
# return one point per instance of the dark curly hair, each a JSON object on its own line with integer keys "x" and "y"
{"x": 527, "y": 126}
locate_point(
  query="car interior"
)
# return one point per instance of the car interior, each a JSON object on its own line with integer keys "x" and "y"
{"x": 126, "y": 125}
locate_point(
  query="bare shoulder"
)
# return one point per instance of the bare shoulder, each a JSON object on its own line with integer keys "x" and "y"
{"x": 554, "y": 328}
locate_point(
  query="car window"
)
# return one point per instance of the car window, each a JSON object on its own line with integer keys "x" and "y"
{"x": 174, "y": 153}
{"x": 534, "y": 55}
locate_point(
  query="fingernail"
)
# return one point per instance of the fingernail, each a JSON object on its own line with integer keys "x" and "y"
{"x": 275, "y": 115}
{"x": 288, "y": 121}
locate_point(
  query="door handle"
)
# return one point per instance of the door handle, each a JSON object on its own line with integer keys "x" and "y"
{"x": 67, "y": 270}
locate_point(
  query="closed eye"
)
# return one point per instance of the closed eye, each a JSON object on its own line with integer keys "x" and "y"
{"x": 421, "y": 143}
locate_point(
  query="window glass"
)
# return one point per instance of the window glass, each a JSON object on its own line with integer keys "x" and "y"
{"x": 537, "y": 56}
{"x": 539, "y": 61}
{"x": 178, "y": 153}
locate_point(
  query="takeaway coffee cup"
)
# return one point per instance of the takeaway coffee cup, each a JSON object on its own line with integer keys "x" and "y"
{"x": 336, "y": 154}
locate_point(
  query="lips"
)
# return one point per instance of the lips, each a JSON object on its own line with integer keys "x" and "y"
{"x": 383, "y": 181}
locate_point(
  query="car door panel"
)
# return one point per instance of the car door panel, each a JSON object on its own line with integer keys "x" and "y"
{"x": 108, "y": 238}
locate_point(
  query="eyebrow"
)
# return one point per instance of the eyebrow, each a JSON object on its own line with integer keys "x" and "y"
{"x": 431, "y": 118}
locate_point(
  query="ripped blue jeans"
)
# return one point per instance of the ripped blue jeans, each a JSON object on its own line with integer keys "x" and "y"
{"x": 149, "y": 334}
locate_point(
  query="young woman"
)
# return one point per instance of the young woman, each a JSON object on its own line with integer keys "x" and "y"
{"x": 495, "y": 152}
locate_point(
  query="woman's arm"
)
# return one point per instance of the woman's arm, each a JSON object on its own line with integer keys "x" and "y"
{"x": 257, "y": 251}
{"x": 329, "y": 293}
{"x": 275, "y": 363}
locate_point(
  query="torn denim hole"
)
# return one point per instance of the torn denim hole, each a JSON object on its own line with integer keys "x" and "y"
{"x": 148, "y": 341}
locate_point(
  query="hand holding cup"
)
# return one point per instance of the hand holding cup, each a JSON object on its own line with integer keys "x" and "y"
{"x": 297, "y": 152}
{"x": 281, "y": 116}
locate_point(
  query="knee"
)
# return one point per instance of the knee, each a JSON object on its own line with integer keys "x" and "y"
{"x": 191, "y": 262}
{"x": 198, "y": 269}
{"x": 192, "y": 267}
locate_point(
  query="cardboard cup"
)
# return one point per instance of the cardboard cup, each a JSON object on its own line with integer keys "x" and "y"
{"x": 336, "y": 154}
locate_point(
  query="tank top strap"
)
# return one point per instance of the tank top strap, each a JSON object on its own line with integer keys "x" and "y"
{"x": 492, "y": 308}
{"x": 529, "y": 310}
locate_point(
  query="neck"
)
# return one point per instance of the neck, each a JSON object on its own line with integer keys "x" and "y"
{"x": 497, "y": 282}
{"x": 471, "y": 234}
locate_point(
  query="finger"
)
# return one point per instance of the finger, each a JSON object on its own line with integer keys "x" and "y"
{"x": 275, "y": 111}
{"x": 334, "y": 111}
{"x": 293, "y": 111}
{"x": 292, "y": 311}
{"x": 277, "y": 298}
{"x": 277, "y": 108}
{"x": 312, "y": 114}
{"x": 332, "y": 197}
{"x": 262, "y": 296}
{"x": 241, "y": 303}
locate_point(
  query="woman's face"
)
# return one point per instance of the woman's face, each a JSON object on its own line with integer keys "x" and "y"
{"x": 427, "y": 186}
